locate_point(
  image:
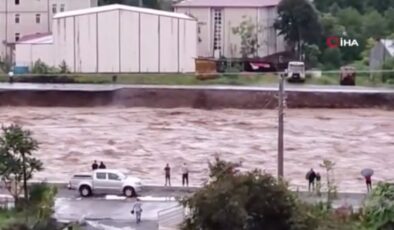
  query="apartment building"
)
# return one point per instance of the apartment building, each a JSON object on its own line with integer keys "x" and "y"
{"x": 19, "y": 18}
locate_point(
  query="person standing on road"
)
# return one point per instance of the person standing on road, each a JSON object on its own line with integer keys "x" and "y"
{"x": 318, "y": 184}
{"x": 137, "y": 210}
{"x": 94, "y": 165}
{"x": 368, "y": 182}
{"x": 102, "y": 165}
{"x": 311, "y": 176}
{"x": 185, "y": 175}
{"x": 167, "y": 171}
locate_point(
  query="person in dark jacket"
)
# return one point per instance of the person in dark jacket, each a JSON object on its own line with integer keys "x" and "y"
{"x": 311, "y": 176}
{"x": 95, "y": 165}
{"x": 368, "y": 181}
{"x": 167, "y": 171}
{"x": 102, "y": 165}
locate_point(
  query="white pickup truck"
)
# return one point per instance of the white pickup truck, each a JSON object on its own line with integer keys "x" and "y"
{"x": 105, "y": 181}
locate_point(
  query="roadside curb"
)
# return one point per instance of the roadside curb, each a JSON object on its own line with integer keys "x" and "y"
{"x": 191, "y": 189}
{"x": 175, "y": 189}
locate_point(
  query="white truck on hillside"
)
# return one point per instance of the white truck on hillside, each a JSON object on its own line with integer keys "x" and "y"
{"x": 105, "y": 181}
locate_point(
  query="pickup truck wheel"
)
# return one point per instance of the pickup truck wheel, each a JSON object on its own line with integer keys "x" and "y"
{"x": 129, "y": 192}
{"x": 85, "y": 191}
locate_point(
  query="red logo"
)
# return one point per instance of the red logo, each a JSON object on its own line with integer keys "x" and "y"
{"x": 333, "y": 42}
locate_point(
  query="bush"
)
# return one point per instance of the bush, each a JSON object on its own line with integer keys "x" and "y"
{"x": 389, "y": 76}
{"x": 236, "y": 201}
{"x": 46, "y": 79}
{"x": 64, "y": 67}
{"x": 378, "y": 212}
{"x": 40, "y": 67}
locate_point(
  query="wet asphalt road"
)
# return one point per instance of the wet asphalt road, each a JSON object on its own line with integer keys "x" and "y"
{"x": 113, "y": 212}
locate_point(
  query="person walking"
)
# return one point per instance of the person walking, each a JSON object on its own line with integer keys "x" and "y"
{"x": 137, "y": 210}
{"x": 185, "y": 175}
{"x": 102, "y": 165}
{"x": 311, "y": 176}
{"x": 167, "y": 171}
{"x": 368, "y": 182}
{"x": 318, "y": 184}
{"x": 95, "y": 165}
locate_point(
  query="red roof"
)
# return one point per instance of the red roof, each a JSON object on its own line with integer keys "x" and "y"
{"x": 228, "y": 3}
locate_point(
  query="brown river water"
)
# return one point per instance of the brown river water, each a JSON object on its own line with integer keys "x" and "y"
{"x": 140, "y": 141}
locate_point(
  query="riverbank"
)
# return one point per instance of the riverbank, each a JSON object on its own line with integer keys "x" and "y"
{"x": 204, "y": 97}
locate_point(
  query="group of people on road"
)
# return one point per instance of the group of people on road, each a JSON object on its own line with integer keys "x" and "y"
{"x": 98, "y": 166}
{"x": 185, "y": 175}
{"x": 313, "y": 176}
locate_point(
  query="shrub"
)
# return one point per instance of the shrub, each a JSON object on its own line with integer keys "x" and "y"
{"x": 378, "y": 212}
{"x": 236, "y": 201}
{"x": 64, "y": 67}
{"x": 388, "y": 77}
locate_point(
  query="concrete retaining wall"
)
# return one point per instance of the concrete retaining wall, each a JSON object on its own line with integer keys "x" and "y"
{"x": 206, "y": 98}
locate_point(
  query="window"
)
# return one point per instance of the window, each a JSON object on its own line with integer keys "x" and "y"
{"x": 113, "y": 176}
{"x": 101, "y": 176}
{"x": 38, "y": 18}
{"x": 62, "y": 7}
{"x": 17, "y": 36}
{"x": 54, "y": 8}
{"x": 16, "y": 2}
{"x": 217, "y": 30}
{"x": 17, "y": 18}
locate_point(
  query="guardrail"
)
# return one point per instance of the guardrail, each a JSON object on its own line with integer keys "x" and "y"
{"x": 171, "y": 217}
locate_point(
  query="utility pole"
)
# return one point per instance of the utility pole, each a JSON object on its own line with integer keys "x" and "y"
{"x": 140, "y": 3}
{"x": 280, "y": 126}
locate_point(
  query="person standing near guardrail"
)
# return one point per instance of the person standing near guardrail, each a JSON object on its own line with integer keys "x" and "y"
{"x": 137, "y": 210}
{"x": 310, "y": 177}
{"x": 102, "y": 165}
{"x": 185, "y": 175}
{"x": 94, "y": 165}
{"x": 167, "y": 171}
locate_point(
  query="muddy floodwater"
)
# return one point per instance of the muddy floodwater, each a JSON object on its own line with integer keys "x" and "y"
{"x": 140, "y": 141}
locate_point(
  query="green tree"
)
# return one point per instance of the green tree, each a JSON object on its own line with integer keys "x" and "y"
{"x": 365, "y": 54}
{"x": 299, "y": 23}
{"x": 351, "y": 19}
{"x": 331, "y": 186}
{"x": 312, "y": 54}
{"x": 378, "y": 211}
{"x": 108, "y": 2}
{"x": 389, "y": 17}
{"x": 248, "y": 32}
{"x": 332, "y": 58}
{"x": 250, "y": 201}
{"x": 16, "y": 162}
{"x": 41, "y": 202}
{"x": 374, "y": 25}
{"x": 154, "y": 4}
{"x": 380, "y": 5}
{"x": 388, "y": 76}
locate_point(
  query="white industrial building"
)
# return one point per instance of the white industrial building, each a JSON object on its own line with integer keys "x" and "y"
{"x": 217, "y": 18}
{"x": 115, "y": 39}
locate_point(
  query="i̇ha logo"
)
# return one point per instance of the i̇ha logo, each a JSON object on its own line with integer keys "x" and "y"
{"x": 335, "y": 42}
